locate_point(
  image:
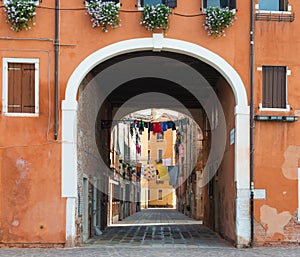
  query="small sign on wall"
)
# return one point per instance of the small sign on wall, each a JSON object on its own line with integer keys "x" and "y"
{"x": 232, "y": 133}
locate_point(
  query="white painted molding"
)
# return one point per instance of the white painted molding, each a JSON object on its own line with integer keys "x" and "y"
{"x": 157, "y": 42}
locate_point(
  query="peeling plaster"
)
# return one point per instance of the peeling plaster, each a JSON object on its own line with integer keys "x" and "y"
{"x": 273, "y": 222}
{"x": 23, "y": 167}
{"x": 15, "y": 223}
{"x": 290, "y": 166}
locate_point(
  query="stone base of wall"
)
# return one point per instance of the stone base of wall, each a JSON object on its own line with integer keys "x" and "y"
{"x": 32, "y": 245}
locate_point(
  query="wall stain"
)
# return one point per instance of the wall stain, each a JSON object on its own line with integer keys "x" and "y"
{"x": 290, "y": 165}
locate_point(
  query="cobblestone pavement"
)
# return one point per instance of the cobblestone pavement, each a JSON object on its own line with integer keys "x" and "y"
{"x": 145, "y": 251}
{"x": 152, "y": 233}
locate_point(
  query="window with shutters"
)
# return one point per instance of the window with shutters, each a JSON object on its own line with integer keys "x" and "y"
{"x": 219, "y": 3}
{"x": 20, "y": 87}
{"x": 274, "y": 87}
{"x": 159, "y": 155}
{"x": 169, "y": 3}
{"x": 273, "y": 5}
{"x": 160, "y": 194}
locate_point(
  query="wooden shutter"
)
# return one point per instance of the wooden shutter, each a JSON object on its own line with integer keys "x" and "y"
{"x": 283, "y": 5}
{"x": 170, "y": 3}
{"x": 274, "y": 87}
{"x": 14, "y": 87}
{"x": 21, "y": 88}
{"x": 232, "y": 4}
{"x": 28, "y": 88}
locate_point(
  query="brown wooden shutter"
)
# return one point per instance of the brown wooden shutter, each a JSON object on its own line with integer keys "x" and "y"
{"x": 274, "y": 87}
{"x": 21, "y": 88}
{"x": 283, "y": 5}
{"x": 204, "y": 4}
{"x": 232, "y": 4}
{"x": 15, "y": 87}
{"x": 28, "y": 88}
{"x": 280, "y": 85}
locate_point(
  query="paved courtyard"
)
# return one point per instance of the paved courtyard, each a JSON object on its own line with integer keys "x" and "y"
{"x": 155, "y": 232}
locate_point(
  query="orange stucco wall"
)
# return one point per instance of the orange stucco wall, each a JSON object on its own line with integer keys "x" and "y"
{"x": 277, "y": 144}
{"x": 31, "y": 161}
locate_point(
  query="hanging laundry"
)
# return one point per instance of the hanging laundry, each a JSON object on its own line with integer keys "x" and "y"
{"x": 173, "y": 173}
{"x": 156, "y": 127}
{"x": 173, "y": 126}
{"x": 166, "y": 162}
{"x": 150, "y": 126}
{"x": 138, "y": 149}
{"x": 163, "y": 173}
{"x": 164, "y": 126}
{"x": 170, "y": 124}
{"x": 131, "y": 131}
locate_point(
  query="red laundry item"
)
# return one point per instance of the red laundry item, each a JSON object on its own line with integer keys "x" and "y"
{"x": 138, "y": 149}
{"x": 157, "y": 127}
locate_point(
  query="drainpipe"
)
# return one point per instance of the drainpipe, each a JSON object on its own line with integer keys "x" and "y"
{"x": 252, "y": 121}
{"x": 56, "y": 61}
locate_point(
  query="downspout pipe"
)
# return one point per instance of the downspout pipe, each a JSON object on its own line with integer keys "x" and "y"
{"x": 252, "y": 122}
{"x": 56, "y": 63}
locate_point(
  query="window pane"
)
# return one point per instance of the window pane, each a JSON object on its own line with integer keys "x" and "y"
{"x": 216, "y": 3}
{"x": 152, "y": 2}
{"x": 269, "y": 5}
{"x": 213, "y": 3}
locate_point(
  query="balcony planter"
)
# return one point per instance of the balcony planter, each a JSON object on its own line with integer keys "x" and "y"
{"x": 103, "y": 14}
{"x": 20, "y": 13}
{"x": 156, "y": 17}
{"x": 217, "y": 19}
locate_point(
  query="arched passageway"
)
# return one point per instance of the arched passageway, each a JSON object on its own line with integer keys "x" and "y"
{"x": 231, "y": 188}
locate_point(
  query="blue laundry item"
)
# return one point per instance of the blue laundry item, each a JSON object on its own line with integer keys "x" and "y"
{"x": 169, "y": 124}
{"x": 164, "y": 126}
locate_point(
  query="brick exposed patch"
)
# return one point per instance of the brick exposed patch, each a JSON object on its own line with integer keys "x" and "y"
{"x": 291, "y": 234}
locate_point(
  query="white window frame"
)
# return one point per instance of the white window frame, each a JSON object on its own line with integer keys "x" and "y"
{"x": 288, "y": 107}
{"x": 36, "y": 63}
{"x": 37, "y": 2}
{"x": 289, "y": 11}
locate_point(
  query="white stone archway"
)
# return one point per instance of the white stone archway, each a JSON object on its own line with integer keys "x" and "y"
{"x": 158, "y": 43}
